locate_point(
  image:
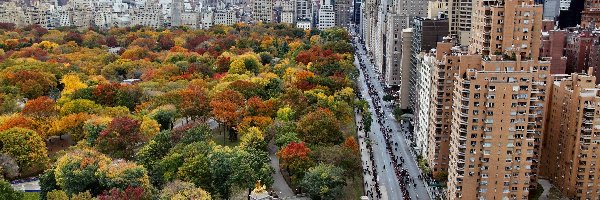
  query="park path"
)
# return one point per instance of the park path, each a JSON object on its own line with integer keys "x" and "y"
{"x": 281, "y": 187}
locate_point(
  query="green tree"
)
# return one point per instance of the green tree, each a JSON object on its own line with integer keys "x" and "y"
{"x": 324, "y": 182}
{"x": 7, "y": 192}
{"x": 285, "y": 138}
{"x": 164, "y": 115}
{"x": 47, "y": 183}
{"x": 75, "y": 171}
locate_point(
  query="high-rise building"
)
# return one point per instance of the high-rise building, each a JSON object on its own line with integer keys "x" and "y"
{"x": 571, "y": 139}
{"x": 437, "y": 9}
{"x": 498, "y": 103}
{"x": 444, "y": 74}
{"x": 288, "y": 11}
{"x": 590, "y": 17}
{"x": 553, "y": 46}
{"x": 426, "y": 34}
{"x": 460, "y": 20}
{"x": 504, "y": 27}
{"x": 148, "y": 14}
{"x": 343, "y": 13}
{"x": 423, "y": 85}
{"x": 404, "y": 72}
{"x": 303, "y": 10}
{"x": 581, "y": 50}
{"x": 551, "y": 9}
{"x": 262, "y": 10}
{"x": 326, "y": 15}
{"x": 570, "y": 13}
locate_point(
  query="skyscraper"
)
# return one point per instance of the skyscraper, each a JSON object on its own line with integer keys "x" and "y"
{"x": 460, "y": 20}
{"x": 571, "y": 138}
{"x": 488, "y": 107}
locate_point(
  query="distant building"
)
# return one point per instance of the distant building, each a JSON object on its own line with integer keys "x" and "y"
{"x": 288, "y": 11}
{"x": 582, "y": 50}
{"x": 148, "y": 14}
{"x": 306, "y": 25}
{"x": 590, "y": 17}
{"x": 262, "y": 10}
{"x": 326, "y": 17}
{"x": 343, "y": 13}
{"x": 553, "y": 47}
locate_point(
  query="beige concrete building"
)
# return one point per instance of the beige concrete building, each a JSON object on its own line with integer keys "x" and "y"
{"x": 571, "y": 140}
{"x": 10, "y": 12}
{"x": 460, "y": 20}
{"x": 149, "y": 14}
{"x": 437, "y": 9}
{"x": 262, "y": 10}
{"x": 450, "y": 62}
{"x": 514, "y": 26}
{"x": 498, "y": 119}
{"x": 404, "y": 72}
{"x": 288, "y": 11}
{"x": 488, "y": 111}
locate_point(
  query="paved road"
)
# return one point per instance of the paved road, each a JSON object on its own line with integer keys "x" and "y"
{"x": 389, "y": 184}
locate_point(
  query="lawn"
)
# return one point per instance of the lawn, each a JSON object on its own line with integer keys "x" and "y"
{"x": 31, "y": 196}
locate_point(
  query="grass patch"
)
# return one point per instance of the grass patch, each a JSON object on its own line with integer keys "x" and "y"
{"x": 354, "y": 189}
{"x": 31, "y": 196}
{"x": 223, "y": 139}
{"x": 536, "y": 193}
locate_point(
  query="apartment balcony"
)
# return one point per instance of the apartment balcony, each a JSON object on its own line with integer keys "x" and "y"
{"x": 588, "y": 114}
{"x": 589, "y": 122}
{"x": 462, "y": 138}
{"x": 538, "y": 83}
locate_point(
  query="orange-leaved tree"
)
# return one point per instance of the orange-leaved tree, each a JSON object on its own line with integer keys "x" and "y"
{"x": 227, "y": 108}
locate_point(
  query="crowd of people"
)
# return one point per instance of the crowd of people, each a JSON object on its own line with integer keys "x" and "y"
{"x": 405, "y": 181}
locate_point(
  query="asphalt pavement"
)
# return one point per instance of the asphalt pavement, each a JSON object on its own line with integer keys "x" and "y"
{"x": 388, "y": 182}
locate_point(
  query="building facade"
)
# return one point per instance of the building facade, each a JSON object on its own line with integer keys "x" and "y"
{"x": 570, "y": 142}
{"x": 262, "y": 10}
{"x": 590, "y": 17}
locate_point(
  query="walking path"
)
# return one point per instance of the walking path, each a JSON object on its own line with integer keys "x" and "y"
{"x": 281, "y": 187}
{"x": 546, "y": 185}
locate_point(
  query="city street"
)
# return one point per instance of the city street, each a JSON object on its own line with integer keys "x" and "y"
{"x": 388, "y": 181}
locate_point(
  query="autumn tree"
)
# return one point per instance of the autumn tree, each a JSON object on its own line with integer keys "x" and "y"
{"x": 122, "y": 174}
{"x": 31, "y": 84}
{"x": 320, "y": 127}
{"x": 194, "y": 103}
{"x": 121, "y": 138}
{"x": 75, "y": 171}
{"x": 41, "y": 107}
{"x": 129, "y": 193}
{"x": 27, "y": 147}
{"x": 295, "y": 158}
{"x": 227, "y": 109}
{"x": 183, "y": 190}
{"x": 79, "y": 106}
{"x": 165, "y": 42}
